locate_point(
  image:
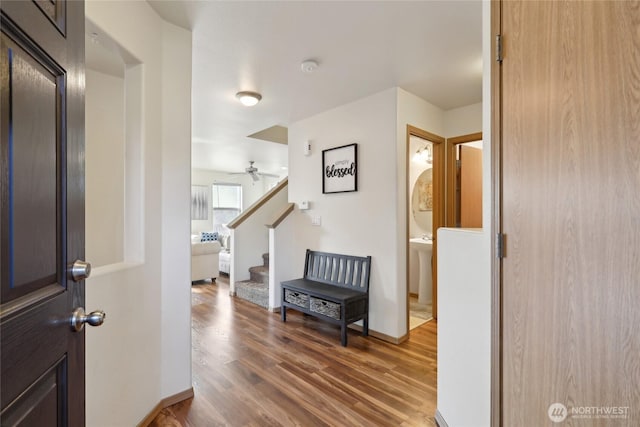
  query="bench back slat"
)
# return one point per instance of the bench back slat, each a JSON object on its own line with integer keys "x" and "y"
{"x": 329, "y": 272}
{"x": 340, "y": 270}
{"x": 357, "y": 277}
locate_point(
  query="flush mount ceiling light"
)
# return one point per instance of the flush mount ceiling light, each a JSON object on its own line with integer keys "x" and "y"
{"x": 248, "y": 98}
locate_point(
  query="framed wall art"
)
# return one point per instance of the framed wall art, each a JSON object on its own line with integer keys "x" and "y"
{"x": 340, "y": 169}
{"x": 199, "y": 202}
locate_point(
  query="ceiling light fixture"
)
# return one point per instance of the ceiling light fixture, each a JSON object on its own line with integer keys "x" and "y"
{"x": 424, "y": 154}
{"x": 248, "y": 98}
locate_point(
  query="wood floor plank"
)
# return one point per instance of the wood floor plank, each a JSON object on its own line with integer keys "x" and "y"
{"x": 252, "y": 369}
{"x": 295, "y": 414}
{"x": 325, "y": 408}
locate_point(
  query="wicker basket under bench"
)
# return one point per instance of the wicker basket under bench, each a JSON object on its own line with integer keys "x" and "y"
{"x": 335, "y": 288}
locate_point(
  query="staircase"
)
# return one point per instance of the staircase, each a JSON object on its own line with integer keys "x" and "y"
{"x": 256, "y": 289}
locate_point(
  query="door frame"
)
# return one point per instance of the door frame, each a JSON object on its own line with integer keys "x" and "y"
{"x": 438, "y": 206}
{"x": 451, "y": 145}
{"x": 495, "y": 223}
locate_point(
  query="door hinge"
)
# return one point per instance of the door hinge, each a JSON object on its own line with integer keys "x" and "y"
{"x": 499, "y": 48}
{"x": 501, "y": 247}
{"x": 458, "y": 163}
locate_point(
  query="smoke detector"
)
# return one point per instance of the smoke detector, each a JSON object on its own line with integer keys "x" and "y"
{"x": 308, "y": 66}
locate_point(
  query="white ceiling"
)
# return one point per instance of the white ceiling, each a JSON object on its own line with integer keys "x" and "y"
{"x": 432, "y": 49}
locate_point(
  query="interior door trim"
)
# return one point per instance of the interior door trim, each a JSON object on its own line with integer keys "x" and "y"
{"x": 496, "y": 220}
{"x": 438, "y": 207}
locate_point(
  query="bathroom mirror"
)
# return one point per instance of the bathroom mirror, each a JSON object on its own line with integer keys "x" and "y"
{"x": 422, "y": 202}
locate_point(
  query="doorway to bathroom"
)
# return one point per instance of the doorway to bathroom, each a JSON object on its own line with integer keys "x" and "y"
{"x": 425, "y": 214}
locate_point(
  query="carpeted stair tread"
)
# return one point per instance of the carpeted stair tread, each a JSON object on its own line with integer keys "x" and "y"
{"x": 259, "y": 269}
{"x": 259, "y": 274}
{"x": 252, "y": 291}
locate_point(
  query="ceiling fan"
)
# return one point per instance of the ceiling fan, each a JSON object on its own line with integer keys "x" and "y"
{"x": 252, "y": 171}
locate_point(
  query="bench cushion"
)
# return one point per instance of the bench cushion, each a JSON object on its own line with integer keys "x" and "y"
{"x": 328, "y": 292}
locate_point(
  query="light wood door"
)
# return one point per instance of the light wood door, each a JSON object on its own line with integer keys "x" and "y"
{"x": 570, "y": 210}
{"x": 452, "y": 181}
{"x": 42, "y": 212}
{"x": 470, "y": 203}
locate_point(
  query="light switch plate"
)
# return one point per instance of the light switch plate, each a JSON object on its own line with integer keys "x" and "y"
{"x": 315, "y": 220}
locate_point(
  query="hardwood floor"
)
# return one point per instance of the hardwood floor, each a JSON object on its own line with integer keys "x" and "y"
{"x": 251, "y": 369}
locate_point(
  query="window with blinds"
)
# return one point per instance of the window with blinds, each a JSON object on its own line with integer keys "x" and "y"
{"x": 226, "y": 202}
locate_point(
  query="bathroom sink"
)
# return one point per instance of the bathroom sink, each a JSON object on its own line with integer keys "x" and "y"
{"x": 421, "y": 244}
{"x": 424, "y": 248}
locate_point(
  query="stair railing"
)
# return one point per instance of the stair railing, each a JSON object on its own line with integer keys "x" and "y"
{"x": 248, "y": 237}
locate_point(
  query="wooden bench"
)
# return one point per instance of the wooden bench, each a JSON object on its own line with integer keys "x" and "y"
{"x": 334, "y": 288}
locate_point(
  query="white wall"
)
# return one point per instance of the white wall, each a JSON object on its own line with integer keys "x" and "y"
{"x": 104, "y": 157}
{"x": 285, "y": 260}
{"x": 463, "y": 121}
{"x": 251, "y": 190}
{"x": 176, "y": 210}
{"x": 360, "y": 223}
{"x": 464, "y": 329}
{"x": 142, "y": 352}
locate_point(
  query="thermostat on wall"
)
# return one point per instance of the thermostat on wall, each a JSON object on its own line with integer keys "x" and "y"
{"x": 303, "y": 205}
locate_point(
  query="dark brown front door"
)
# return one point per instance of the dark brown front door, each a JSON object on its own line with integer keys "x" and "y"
{"x": 42, "y": 212}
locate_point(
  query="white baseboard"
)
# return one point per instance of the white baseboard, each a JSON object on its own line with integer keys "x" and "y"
{"x": 440, "y": 420}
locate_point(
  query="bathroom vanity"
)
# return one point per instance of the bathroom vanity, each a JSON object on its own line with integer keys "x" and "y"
{"x": 424, "y": 248}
